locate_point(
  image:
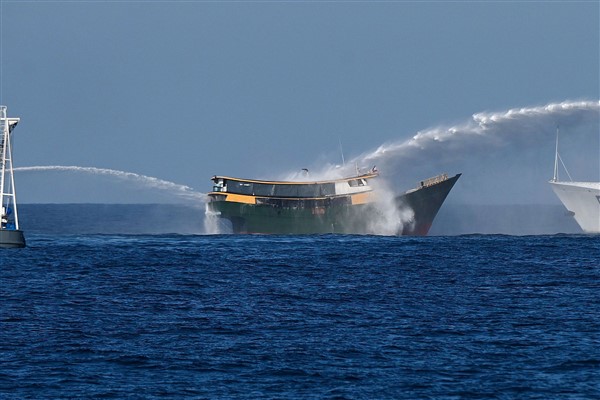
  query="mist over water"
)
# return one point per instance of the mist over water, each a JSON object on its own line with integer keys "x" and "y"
{"x": 181, "y": 191}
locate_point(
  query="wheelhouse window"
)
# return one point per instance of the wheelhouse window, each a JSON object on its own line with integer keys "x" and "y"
{"x": 219, "y": 186}
{"x": 357, "y": 182}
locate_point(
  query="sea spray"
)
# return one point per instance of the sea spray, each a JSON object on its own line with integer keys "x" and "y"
{"x": 387, "y": 216}
{"x": 211, "y": 221}
{"x": 328, "y": 172}
{"x": 182, "y": 191}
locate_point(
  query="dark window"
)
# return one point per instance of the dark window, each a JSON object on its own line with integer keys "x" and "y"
{"x": 327, "y": 189}
{"x": 263, "y": 189}
{"x": 239, "y": 187}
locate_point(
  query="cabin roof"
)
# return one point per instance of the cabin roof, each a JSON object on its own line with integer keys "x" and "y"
{"x": 363, "y": 176}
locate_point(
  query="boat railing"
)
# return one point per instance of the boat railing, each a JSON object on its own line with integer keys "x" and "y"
{"x": 433, "y": 181}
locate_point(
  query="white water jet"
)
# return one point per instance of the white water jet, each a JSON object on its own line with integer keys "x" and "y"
{"x": 484, "y": 132}
{"x": 182, "y": 191}
{"x": 526, "y": 126}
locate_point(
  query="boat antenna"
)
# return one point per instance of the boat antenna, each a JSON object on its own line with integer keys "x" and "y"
{"x": 555, "y": 178}
{"x": 558, "y": 158}
{"x": 342, "y": 152}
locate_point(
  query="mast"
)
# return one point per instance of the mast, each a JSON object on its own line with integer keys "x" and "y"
{"x": 10, "y": 235}
{"x": 342, "y": 152}
{"x": 555, "y": 178}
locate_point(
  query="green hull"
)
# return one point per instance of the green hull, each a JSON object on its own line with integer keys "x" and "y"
{"x": 251, "y": 218}
{"x": 425, "y": 204}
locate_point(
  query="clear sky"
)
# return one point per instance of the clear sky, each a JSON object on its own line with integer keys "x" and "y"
{"x": 185, "y": 90}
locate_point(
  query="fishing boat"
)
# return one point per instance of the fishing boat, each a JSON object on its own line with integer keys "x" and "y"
{"x": 351, "y": 205}
{"x": 581, "y": 199}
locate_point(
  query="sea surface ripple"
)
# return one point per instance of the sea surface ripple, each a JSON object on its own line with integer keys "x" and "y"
{"x": 344, "y": 317}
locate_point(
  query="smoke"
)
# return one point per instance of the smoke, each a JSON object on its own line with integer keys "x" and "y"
{"x": 181, "y": 191}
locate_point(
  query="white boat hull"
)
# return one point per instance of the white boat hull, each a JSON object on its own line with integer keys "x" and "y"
{"x": 583, "y": 200}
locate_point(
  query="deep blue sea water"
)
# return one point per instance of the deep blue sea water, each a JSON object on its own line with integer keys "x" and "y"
{"x": 336, "y": 317}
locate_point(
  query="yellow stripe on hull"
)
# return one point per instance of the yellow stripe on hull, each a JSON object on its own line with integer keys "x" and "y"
{"x": 361, "y": 198}
{"x": 240, "y": 198}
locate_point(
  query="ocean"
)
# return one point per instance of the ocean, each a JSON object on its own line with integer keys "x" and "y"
{"x": 146, "y": 314}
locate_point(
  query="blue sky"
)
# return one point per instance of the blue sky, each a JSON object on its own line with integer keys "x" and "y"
{"x": 185, "y": 90}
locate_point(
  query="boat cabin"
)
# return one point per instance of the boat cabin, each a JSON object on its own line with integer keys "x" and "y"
{"x": 288, "y": 189}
